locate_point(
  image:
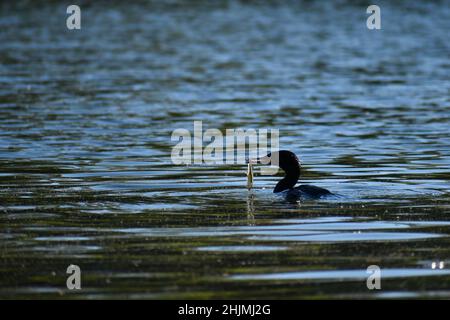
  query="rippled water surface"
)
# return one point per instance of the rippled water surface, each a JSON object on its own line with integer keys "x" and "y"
{"x": 86, "y": 176}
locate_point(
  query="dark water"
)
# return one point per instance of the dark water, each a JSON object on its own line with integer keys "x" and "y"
{"x": 86, "y": 176}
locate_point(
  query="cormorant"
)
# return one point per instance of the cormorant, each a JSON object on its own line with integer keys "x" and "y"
{"x": 290, "y": 164}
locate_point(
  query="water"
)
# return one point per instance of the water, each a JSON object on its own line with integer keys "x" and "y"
{"x": 85, "y": 170}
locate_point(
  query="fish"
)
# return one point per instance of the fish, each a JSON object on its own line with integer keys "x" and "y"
{"x": 249, "y": 176}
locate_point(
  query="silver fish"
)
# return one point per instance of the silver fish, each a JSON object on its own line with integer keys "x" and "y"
{"x": 249, "y": 176}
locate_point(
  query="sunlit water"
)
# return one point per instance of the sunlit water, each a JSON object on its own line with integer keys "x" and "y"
{"x": 85, "y": 170}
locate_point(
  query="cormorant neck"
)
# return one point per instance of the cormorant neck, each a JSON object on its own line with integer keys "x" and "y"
{"x": 289, "y": 181}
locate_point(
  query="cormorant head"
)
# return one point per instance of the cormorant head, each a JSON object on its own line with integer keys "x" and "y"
{"x": 289, "y": 163}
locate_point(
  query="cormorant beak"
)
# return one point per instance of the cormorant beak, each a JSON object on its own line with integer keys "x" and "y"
{"x": 253, "y": 161}
{"x": 262, "y": 160}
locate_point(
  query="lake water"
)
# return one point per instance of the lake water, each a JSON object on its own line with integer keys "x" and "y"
{"x": 86, "y": 176}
